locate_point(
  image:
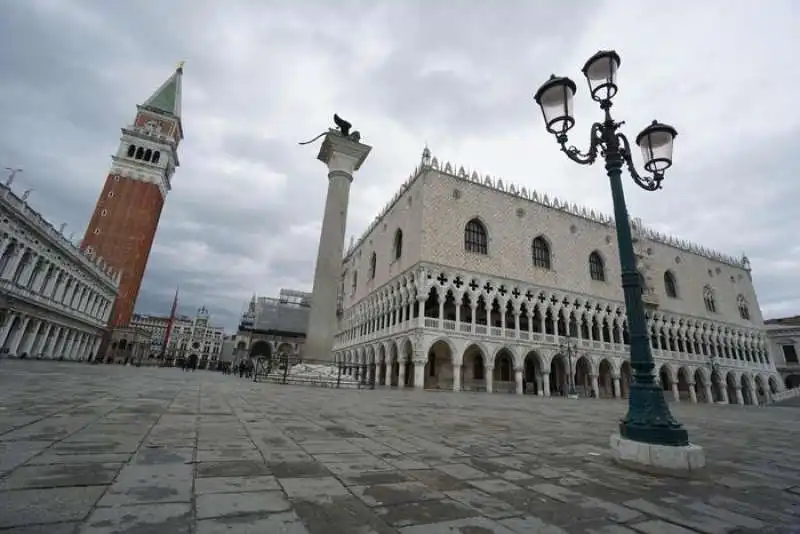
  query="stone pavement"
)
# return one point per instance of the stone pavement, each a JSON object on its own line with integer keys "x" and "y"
{"x": 112, "y": 449}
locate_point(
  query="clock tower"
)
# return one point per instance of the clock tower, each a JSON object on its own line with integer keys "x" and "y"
{"x": 124, "y": 222}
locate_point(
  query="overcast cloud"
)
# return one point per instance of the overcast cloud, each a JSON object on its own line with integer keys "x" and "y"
{"x": 244, "y": 213}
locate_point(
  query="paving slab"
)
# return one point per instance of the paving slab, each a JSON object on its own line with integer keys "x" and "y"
{"x": 113, "y": 449}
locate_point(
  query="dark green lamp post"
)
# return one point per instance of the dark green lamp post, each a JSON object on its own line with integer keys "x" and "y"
{"x": 648, "y": 419}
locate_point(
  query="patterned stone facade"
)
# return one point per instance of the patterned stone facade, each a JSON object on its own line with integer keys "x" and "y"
{"x": 475, "y": 284}
{"x": 784, "y": 338}
{"x": 55, "y": 300}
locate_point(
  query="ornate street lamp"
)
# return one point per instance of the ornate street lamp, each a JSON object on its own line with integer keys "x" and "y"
{"x": 648, "y": 419}
{"x": 568, "y": 346}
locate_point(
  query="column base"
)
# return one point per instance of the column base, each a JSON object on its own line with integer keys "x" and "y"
{"x": 658, "y": 459}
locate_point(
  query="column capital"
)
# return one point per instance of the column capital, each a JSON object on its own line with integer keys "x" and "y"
{"x": 342, "y": 154}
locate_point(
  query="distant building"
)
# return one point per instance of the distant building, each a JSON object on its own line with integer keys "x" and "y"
{"x": 784, "y": 338}
{"x": 273, "y": 326}
{"x": 55, "y": 301}
{"x": 190, "y": 336}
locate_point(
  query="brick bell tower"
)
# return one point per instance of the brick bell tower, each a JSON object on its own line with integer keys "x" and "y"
{"x": 123, "y": 225}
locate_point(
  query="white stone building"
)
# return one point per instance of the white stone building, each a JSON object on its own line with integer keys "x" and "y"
{"x": 465, "y": 283}
{"x": 190, "y": 336}
{"x": 55, "y": 300}
{"x": 784, "y": 337}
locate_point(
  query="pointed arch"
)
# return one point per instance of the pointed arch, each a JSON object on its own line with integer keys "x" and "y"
{"x": 670, "y": 284}
{"x": 476, "y": 237}
{"x": 397, "y": 245}
{"x": 541, "y": 252}
{"x": 597, "y": 268}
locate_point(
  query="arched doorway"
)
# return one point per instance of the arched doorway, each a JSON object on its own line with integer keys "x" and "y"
{"x": 665, "y": 379}
{"x": 605, "y": 380}
{"x": 408, "y": 360}
{"x": 261, "y": 349}
{"x": 394, "y": 364}
{"x": 625, "y": 378}
{"x": 792, "y": 381}
{"x": 473, "y": 370}
{"x": 503, "y": 380}
{"x": 285, "y": 349}
{"x": 382, "y": 374}
{"x": 439, "y": 367}
{"x": 559, "y": 384}
{"x": 532, "y": 382}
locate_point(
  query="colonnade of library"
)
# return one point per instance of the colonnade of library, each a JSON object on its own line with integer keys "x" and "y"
{"x": 28, "y": 336}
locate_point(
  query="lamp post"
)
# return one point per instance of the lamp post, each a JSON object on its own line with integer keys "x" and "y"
{"x": 648, "y": 420}
{"x": 568, "y": 346}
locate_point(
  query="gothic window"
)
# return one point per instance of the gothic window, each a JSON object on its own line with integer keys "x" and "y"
{"x": 596, "y": 268}
{"x": 139, "y": 153}
{"x": 744, "y": 310}
{"x": 148, "y": 154}
{"x": 475, "y": 237}
{"x": 541, "y": 253}
{"x": 156, "y": 156}
{"x": 131, "y": 151}
{"x": 670, "y": 285}
{"x": 373, "y": 262}
{"x": 708, "y": 298}
{"x": 398, "y": 244}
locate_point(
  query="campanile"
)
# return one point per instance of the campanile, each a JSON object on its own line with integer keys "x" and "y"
{"x": 124, "y": 222}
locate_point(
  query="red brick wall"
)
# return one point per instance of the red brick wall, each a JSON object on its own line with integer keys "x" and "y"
{"x": 123, "y": 235}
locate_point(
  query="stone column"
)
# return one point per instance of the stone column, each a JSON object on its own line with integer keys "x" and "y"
{"x": 693, "y": 392}
{"x": 456, "y": 377}
{"x": 539, "y": 386}
{"x": 401, "y": 373}
{"x": 419, "y": 373}
{"x": 739, "y": 396}
{"x": 595, "y": 386}
{"x": 343, "y": 156}
{"x": 518, "y": 375}
{"x": 28, "y": 345}
{"x": 487, "y": 374}
{"x": 723, "y": 389}
{"x": 709, "y": 394}
{"x": 676, "y": 393}
{"x": 617, "y": 391}
{"x": 546, "y": 384}
{"x": 14, "y": 345}
{"x": 7, "y": 328}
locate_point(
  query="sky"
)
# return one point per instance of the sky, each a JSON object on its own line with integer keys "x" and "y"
{"x": 245, "y": 210}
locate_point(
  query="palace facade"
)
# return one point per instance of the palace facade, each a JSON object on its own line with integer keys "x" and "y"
{"x": 463, "y": 282}
{"x": 55, "y": 300}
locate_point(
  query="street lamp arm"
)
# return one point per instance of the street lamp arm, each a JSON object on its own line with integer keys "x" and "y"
{"x": 646, "y": 182}
{"x": 595, "y": 141}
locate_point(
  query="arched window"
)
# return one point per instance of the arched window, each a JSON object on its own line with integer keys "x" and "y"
{"x": 139, "y": 153}
{"x": 475, "y": 238}
{"x": 596, "y": 268}
{"x": 541, "y": 253}
{"x": 148, "y": 154}
{"x": 398, "y": 244}
{"x": 156, "y": 156}
{"x": 744, "y": 310}
{"x": 670, "y": 285}
{"x": 373, "y": 262}
{"x": 131, "y": 151}
{"x": 708, "y": 298}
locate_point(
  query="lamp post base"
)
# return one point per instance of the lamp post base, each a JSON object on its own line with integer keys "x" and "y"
{"x": 658, "y": 459}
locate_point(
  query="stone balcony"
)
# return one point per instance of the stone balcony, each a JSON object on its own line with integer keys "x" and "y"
{"x": 9, "y": 288}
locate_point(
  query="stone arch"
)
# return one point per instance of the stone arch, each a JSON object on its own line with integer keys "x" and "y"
{"x": 532, "y": 381}
{"x": 261, "y": 349}
{"x": 684, "y": 383}
{"x": 605, "y": 379}
{"x": 748, "y": 394}
{"x": 394, "y": 365}
{"x": 439, "y": 365}
{"x": 503, "y": 371}
{"x": 284, "y": 348}
{"x": 476, "y": 236}
{"x": 583, "y": 376}
{"x": 792, "y": 381}
{"x": 473, "y": 368}
{"x": 665, "y": 377}
{"x": 760, "y": 389}
{"x": 559, "y": 375}
{"x": 406, "y": 352}
{"x": 625, "y": 378}
{"x": 596, "y": 264}
{"x": 383, "y": 365}
{"x": 773, "y": 384}
{"x": 731, "y": 385}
